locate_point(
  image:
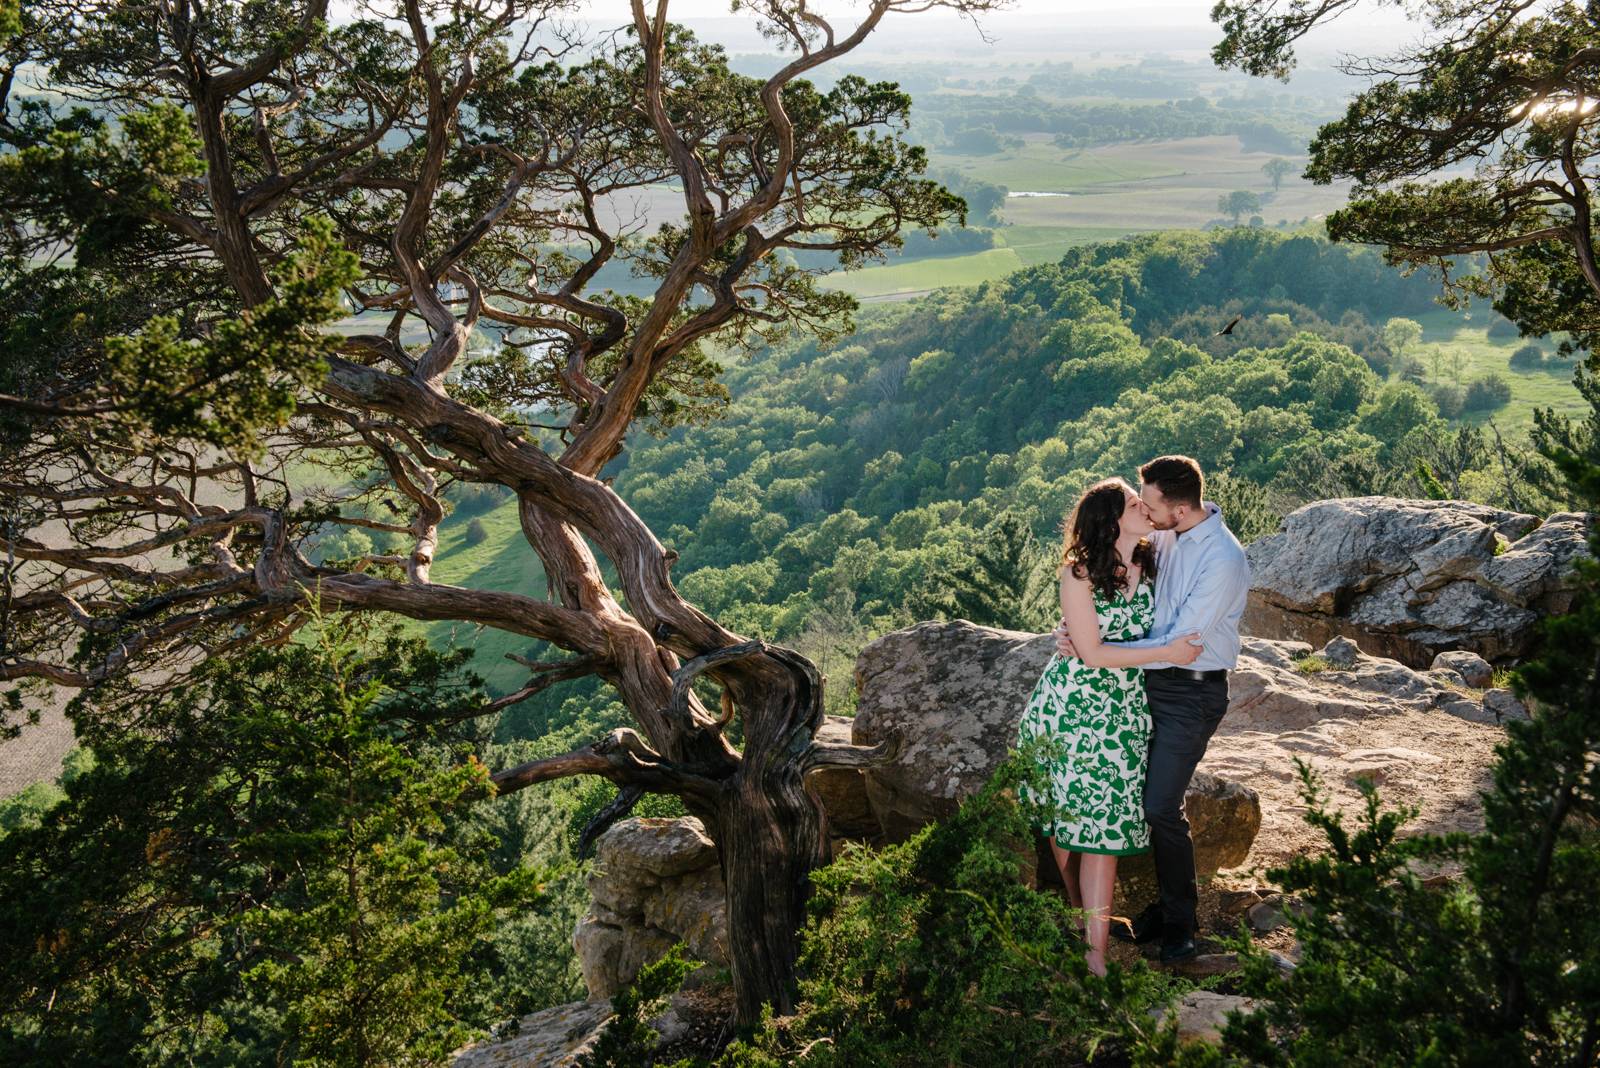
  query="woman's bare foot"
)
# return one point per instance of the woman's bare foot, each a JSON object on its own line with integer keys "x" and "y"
{"x": 1097, "y": 962}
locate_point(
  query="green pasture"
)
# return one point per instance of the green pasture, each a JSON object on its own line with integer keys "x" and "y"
{"x": 919, "y": 276}
{"x": 1446, "y": 332}
{"x": 502, "y": 561}
{"x": 1046, "y": 244}
{"x": 1042, "y": 167}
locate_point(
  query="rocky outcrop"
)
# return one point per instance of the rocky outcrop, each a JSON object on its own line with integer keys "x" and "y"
{"x": 655, "y": 882}
{"x": 1426, "y": 738}
{"x": 843, "y": 791}
{"x": 1411, "y": 579}
{"x": 953, "y": 693}
{"x": 692, "y": 1018}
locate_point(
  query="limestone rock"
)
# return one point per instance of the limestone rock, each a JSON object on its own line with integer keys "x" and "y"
{"x": 1203, "y": 1014}
{"x": 1473, "y": 669}
{"x": 1536, "y": 570}
{"x": 1224, "y": 818}
{"x": 1341, "y": 652}
{"x": 1428, "y": 740}
{"x": 655, "y": 882}
{"x": 558, "y": 1036}
{"x": 1411, "y": 579}
{"x": 1377, "y": 765}
{"x": 1204, "y": 965}
{"x": 1504, "y": 705}
{"x": 1273, "y": 913}
{"x": 954, "y": 693}
{"x": 1266, "y": 917}
{"x": 552, "y": 1038}
{"x": 1238, "y": 902}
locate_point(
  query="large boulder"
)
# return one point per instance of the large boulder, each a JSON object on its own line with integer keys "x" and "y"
{"x": 953, "y": 693}
{"x": 1411, "y": 579}
{"x": 655, "y": 882}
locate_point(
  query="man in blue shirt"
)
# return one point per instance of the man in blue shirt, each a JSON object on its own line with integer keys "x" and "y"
{"x": 1202, "y": 581}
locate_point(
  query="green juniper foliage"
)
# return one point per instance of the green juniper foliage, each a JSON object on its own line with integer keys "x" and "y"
{"x": 1008, "y": 581}
{"x": 933, "y": 951}
{"x": 628, "y": 1039}
{"x": 1495, "y": 93}
{"x": 270, "y": 863}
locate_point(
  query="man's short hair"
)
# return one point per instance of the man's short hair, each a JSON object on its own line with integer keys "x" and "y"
{"x": 1177, "y": 477}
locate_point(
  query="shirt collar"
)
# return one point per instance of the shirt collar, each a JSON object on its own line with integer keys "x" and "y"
{"x": 1203, "y": 530}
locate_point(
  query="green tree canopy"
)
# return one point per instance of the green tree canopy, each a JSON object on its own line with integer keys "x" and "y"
{"x": 269, "y": 863}
{"x": 1237, "y": 203}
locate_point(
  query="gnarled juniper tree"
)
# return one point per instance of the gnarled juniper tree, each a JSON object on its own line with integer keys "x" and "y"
{"x": 197, "y": 192}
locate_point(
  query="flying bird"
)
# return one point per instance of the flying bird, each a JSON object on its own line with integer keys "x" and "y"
{"x": 1229, "y": 328}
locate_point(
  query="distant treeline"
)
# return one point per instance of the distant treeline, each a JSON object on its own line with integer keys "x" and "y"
{"x": 981, "y": 123}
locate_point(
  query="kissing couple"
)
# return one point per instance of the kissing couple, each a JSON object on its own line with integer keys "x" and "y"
{"x": 1152, "y": 589}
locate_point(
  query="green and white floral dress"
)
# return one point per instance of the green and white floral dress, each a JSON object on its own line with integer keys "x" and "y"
{"x": 1100, "y": 721}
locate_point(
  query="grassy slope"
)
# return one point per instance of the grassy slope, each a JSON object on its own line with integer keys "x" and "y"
{"x": 502, "y": 561}
{"x": 919, "y": 276}
{"x": 1446, "y": 331}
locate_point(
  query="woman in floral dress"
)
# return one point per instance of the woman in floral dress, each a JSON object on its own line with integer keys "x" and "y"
{"x": 1090, "y": 709}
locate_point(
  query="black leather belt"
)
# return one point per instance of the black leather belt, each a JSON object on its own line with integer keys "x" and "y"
{"x": 1188, "y": 673}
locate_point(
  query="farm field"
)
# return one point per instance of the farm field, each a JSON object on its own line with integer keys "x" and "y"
{"x": 910, "y": 278}
{"x": 1112, "y": 191}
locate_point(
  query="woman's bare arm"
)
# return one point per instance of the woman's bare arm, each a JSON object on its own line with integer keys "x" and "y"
{"x": 1077, "y": 609}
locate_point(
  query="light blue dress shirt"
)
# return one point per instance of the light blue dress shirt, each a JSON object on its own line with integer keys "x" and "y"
{"x": 1202, "y": 581}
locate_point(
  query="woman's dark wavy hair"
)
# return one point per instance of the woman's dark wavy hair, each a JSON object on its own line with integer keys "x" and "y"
{"x": 1090, "y": 535}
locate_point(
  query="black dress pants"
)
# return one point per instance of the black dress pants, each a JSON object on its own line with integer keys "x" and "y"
{"x": 1185, "y": 713}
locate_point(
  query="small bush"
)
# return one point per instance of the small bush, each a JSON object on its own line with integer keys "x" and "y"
{"x": 471, "y": 498}
{"x": 1450, "y": 400}
{"x": 1487, "y": 393}
{"x": 1412, "y": 370}
{"x": 1249, "y": 507}
{"x": 1503, "y": 330}
{"x": 476, "y": 533}
{"x": 628, "y": 1038}
{"x": 1529, "y": 355}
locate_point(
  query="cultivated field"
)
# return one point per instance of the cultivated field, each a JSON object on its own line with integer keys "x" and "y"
{"x": 1112, "y": 191}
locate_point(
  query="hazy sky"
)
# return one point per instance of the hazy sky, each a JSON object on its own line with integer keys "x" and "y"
{"x": 1370, "y": 28}
{"x": 712, "y": 8}
{"x": 1027, "y": 29}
